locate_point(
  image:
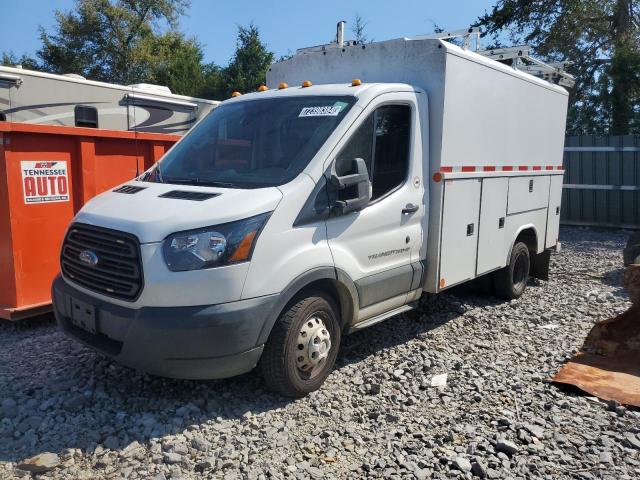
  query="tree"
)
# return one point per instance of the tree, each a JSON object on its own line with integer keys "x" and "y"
{"x": 111, "y": 40}
{"x": 213, "y": 83}
{"x": 178, "y": 64}
{"x": 121, "y": 41}
{"x": 358, "y": 27}
{"x": 248, "y": 67}
{"x": 9, "y": 59}
{"x": 625, "y": 67}
{"x": 600, "y": 37}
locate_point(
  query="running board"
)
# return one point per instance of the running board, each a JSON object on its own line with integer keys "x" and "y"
{"x": 381, "y": 317}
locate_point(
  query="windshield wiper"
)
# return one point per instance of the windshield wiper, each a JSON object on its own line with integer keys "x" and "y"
{"x": 199, "y": 182}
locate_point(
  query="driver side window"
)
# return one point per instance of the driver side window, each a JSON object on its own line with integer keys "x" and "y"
{"x": 382, "y": 141}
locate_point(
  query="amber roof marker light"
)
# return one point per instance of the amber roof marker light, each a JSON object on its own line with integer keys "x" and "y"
{"x": 283, "y": 85}
{"x": 263, "y": 88}
{"x": 235, "y": 94}
{"x": 356, "y": 82}
{"x": 307, "y": 84}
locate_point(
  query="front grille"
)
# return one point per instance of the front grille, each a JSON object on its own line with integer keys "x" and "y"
{"x": 117, "y": 271}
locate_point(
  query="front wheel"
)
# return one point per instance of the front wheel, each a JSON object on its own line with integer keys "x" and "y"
{"x": 302, "y": 347}
{"x": 511, "y": 281}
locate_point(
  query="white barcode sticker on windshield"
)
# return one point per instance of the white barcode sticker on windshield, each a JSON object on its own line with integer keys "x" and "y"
{"x": 327, "y": 111}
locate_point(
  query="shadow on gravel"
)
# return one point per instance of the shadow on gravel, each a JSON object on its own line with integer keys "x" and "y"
{"x": 613, "y": 279}
{"x": 64, "y": 395}
{"x": 67, "y": 396}
{"x": 433, "y": 312}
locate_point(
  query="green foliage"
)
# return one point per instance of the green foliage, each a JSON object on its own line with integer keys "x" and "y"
{"x": 9, "y": 59}
{"x": 601, "y": 37}
{"x": 112, "y": 41}
{"x": 248, "y": 67}
{"x": 178, "y": 64}
{"x": 136, "y": 41}
{"x": 213, "y": 84}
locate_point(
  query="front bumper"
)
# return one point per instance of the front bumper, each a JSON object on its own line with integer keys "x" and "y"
{"x": 202, "y": 342}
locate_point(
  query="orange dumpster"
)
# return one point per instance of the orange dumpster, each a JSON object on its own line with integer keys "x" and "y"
{"x": 47, "y": 173}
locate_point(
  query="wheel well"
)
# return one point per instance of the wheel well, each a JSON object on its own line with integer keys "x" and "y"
{"x": 529, "y": 238}
{"x": 338, "y": 293}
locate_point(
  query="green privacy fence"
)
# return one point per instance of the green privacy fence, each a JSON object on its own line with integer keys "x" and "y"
{"x": 602, "y": 181}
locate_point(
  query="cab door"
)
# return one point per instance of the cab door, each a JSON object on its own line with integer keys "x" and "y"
{"x": 374, "y": 246}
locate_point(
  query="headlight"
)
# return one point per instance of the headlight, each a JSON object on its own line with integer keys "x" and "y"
{"x": 213, "y": 246}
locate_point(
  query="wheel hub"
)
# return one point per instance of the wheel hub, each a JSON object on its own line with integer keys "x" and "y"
{"x": 314, "y": 344}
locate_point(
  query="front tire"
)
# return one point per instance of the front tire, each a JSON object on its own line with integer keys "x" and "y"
{"x": 302, "y": 347}
{"x": 511, "y": 281}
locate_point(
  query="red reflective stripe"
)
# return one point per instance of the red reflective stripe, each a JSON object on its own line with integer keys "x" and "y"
{"x": 506, "y": 168}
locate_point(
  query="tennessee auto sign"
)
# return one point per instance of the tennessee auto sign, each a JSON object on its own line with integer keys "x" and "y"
{"x": 44, "y": 181}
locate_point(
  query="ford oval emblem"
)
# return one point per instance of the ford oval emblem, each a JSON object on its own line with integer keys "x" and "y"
{"x": 88, "y": 258}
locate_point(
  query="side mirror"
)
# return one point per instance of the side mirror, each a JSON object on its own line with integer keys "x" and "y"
{"x": 353, "y": 190}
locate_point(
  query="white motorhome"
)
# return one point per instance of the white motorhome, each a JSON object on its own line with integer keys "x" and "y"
{"x": 34, "y": 97}
{"x": 290, "y": 217}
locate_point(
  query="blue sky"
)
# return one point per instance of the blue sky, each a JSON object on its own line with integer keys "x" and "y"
{"x": 284, "y": 25}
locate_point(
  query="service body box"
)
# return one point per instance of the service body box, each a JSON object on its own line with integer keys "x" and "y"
{"x": 486, "y": 120}
{"x": 481, "y": 112}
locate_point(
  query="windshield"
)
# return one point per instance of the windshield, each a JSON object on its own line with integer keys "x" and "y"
{"x": 253, "y": 144}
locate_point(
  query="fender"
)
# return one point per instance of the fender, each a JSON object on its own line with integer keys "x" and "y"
{"x": 518, "y": 232}
{"x": 349, "y": 307}
{"x": 540, "y": 261}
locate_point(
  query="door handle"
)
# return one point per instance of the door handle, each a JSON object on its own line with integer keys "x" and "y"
{"x": 410, "y": 208}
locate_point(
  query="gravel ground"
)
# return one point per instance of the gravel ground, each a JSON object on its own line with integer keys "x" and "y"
{"x": 377, "y": 416}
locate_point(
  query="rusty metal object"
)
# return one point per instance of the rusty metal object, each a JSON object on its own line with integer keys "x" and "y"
{"x": 609, "y": 365}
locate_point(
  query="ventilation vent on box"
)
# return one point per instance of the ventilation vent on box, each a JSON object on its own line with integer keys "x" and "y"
{"x": 186, "y": 195}
{"x": 129, "y": 189}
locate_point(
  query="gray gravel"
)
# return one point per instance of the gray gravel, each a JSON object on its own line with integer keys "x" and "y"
{"x": 82, "y": 416}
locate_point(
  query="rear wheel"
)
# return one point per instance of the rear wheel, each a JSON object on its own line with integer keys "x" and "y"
{"x": 302, "y": 347}
{"x": 511, "y": 281}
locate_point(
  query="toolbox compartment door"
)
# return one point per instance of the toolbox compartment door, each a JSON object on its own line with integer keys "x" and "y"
{"x": 493, "y": 213}
{"x": 528, "y": 193}
{"x": 460, "y": 213}
{"x": 553, "y": 215}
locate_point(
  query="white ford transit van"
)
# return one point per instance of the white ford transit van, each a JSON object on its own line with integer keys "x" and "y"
{"x": 290, "y": 217}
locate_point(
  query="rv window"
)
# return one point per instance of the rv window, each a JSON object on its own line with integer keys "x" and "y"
{"x": 86, "y": 116}
{"x": 3, "y": 117}
{"x": 382, "y": 141}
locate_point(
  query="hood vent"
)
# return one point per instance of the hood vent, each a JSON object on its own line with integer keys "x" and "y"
{"x": 186, "y": 195}
{"x": 129, "y": 189}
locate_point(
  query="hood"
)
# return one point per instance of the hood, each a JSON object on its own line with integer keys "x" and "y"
{"x": 145, "y": 211}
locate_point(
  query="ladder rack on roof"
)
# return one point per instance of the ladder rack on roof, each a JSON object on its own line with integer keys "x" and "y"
{"x": 466, "y": 34}
{"x": 517, "y": 57}
{"x": 520, "y": 59}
